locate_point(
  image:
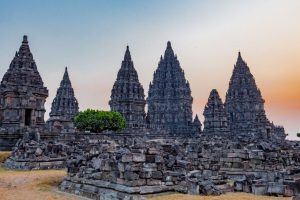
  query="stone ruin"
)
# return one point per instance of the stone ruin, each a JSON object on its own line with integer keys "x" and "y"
{"x": 64, "y": 108}
{"x": 215, "y": 116}
{"x": 209, "y": 164}
{"x": 244, "y": 105}
{"x": 169, "y": 97}
{"x": 127, "y": 94}
{"x": 31, "y": 153}
{"x": 22, "y": 98}
{"x": 163, "y": 150}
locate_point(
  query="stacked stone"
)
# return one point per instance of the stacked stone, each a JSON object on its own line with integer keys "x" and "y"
{"x": 22, "y": 96}
{"x": 127, "y": 95}
{"x": 215, "y": 115}
{"x": 244, "y": 104}
{"x": 197, "y": 125}
{"x": 31, "y": 152}
{"x": 203, "y": 165}
{"x": 64, "y": 107}
{"x": 169, "y": 98}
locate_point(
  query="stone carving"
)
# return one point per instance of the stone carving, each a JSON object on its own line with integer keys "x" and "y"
{"x": 169, "y": 97}
{"x": 215, "y": 115}
{"x": 64, "y": 107}
{"x": 22, "y": 97}
{"x": 244, "y": 104}
{"x": 127, "y": 94}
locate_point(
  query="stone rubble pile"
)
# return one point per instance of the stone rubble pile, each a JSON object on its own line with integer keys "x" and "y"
{"x": 31, "y": 152}
{"x": 205, "y": 165}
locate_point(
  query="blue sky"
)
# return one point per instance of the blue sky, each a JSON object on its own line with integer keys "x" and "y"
{"x": 90, "y": 38}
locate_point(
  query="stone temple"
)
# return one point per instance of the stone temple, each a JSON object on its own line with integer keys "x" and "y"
{"x": 215, "y": 115}
{"x": 22, "y": 97}
{"x": 239, "y": 150}
{"x": 64, "y": 107}
{"x": 169, "y": 97}
{"x": 127, "y": 94}
{"x": 244, "y": 104}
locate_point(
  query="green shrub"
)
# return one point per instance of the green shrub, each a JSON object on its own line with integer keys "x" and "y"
{"x": 298, "y": 134}
{"x": 97, "y": 121}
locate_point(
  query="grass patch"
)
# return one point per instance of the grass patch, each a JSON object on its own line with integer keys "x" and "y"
{"x": 4, "y": 155}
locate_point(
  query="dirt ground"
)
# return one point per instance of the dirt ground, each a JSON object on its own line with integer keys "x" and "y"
{"x": 228, "y": 196}
{"x": 42, "y": 185}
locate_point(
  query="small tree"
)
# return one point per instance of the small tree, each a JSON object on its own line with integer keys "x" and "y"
{"x": 298, "y": 134}
{"x": 97, "y": 121}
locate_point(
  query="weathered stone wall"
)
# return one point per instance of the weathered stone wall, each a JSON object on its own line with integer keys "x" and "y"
{"x": 207, "y": 165}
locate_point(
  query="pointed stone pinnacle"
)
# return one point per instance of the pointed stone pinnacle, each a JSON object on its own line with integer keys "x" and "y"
{"x": 25, "y": 40}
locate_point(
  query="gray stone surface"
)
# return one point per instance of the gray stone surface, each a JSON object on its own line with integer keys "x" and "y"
{"x": 22, "y": 97}
{"x": 215, "y": 115}
{"x": 244, "y": 105}
{"x": 169, "y": 97}
{"x": 127, "y": 94}
{"x": 64, "y": 107}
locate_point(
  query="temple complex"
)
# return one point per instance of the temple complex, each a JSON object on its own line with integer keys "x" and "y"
{"x": 215, "y": 115}
{"x": 127, "y": 94}
{"x": 239, "y": 150}
{"x": 169, "y": 96}
{"x": 244, "y": 104}
{"x": 64, "y": 107}
{"x": 22, "y": 97}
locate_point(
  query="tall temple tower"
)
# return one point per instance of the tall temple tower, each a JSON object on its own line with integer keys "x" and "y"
{"x": 22, "y": 92}
{"x": 244, "y": 104}
{"x": 64, "y": 107}
{"x": 215, "y": 115}
{"x": 127, "y": 94}
{"x": 169, "y": 97}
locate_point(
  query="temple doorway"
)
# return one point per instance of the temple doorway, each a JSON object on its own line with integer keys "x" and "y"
{"x": 28, "y": 117}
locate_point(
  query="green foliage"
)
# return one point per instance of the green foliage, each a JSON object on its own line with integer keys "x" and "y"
{"x": 96, "y": 121}
{"x": 298, "y": 134}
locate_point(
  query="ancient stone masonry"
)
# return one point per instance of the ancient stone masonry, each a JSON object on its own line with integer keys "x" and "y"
{"x": 215, "y": 115}
{"x": 210, "y": 164}
{"x": 244, "y": 104}
{"x": 22, "y": 97}
{"x": 64, "y": 107}
{"x": 127, "y": 95}
{"x": 31, "y": 152}
{"x": 169, "y": 97}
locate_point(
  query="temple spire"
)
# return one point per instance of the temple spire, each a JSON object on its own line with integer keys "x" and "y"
{"x": 169, "y": 53}
{"x": 66, "y": 79}
{"x": 64, "y": 106}
{"x": 215, "y": 115}
{"x": 127, "y": 94}
{"x": 244, "y": 104}
{"x": 168, "y": 92}
{"x": 127, "y": 55}
{"x": 23, "y": 81}
{"x": 25, "y": 40}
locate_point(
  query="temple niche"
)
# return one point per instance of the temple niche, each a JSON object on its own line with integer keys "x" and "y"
{"x": 169, "y": 97}
{"x": 244, "y": 105}
{"x": 127, "y": 94}
{"x": 22, "y": 96}
{"x": 64, "y": 107}
{"x": 215, "y": 115}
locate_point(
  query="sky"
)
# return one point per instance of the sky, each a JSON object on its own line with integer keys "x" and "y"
{"x": 90, "y": 37}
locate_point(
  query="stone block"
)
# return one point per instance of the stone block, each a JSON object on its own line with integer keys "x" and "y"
{"x": 138, "y": 157}
{"x": 130, "y": 176}
{"x": 259, "y": 189}
{"x": 127, "y": 158}
{"x": 153, "y": 182}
